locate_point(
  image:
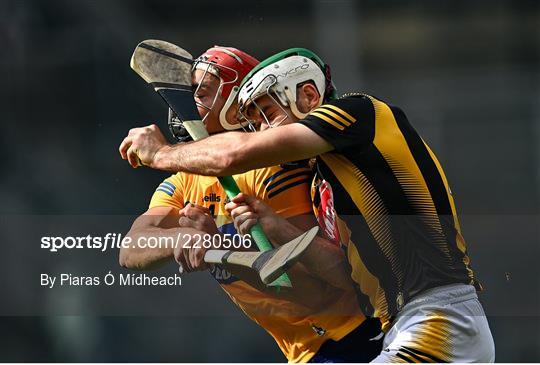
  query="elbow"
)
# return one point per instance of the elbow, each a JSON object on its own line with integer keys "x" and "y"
{"x": 128, "y": 260}
{"x": 124, "y": 259}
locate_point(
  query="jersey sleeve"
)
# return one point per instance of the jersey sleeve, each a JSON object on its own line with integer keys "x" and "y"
{"x": 286, "y": 189}
{"x": 168, "y": 193}
{"x": 345, "y": 123}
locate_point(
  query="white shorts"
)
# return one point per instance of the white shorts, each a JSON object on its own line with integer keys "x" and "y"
{"x": 444, "y": 324}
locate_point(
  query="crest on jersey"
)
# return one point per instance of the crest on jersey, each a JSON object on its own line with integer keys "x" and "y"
{"x": 326, "y": 215}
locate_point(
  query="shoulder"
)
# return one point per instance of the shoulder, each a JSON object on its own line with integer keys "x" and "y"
{"x": 177, "y": 178}
{"x": 185, "y": 179}
{"x": 351, "y": 105}
{"x": 345, "y": 111}
{"x": 168, "y": 193}
{"x": 169, "y": 186}
{"x": 179, "y": 183}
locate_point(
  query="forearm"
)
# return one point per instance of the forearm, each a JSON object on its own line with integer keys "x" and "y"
{"x": 139, "y": 256}
{"x": 322, "y": 259}
{"x": 212, "y": 156}
{"x": 235, "y": 152}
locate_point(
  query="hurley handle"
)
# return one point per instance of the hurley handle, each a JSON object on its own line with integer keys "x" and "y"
{"x": 257, "y": 233}
{"x": 197, "y": 131}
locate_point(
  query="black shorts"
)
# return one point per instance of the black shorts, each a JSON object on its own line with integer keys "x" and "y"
{"x": 363, "y": 344}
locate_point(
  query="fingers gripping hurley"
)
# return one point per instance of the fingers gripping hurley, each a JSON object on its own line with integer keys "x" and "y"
{"x": 269, "y": 264}
{"x": 167, "y": 68}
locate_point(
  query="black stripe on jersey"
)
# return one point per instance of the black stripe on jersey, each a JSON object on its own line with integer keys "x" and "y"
{"x": 434, "y": 182}
{"x": 408, "y": 352}
{"x": 282, "y": 189}
{"x": 421, "y": 353}
{"x": 288, "y": 178}
{"x": 404, "y": 358}
{"x": 284, "y": 170}
{"x": 277, "y": 174}
{"x": 425, "y": 163}
{"x": 363, "y": 239}
{"x": 401, "y": 215}
{"x": 381, "y": 176}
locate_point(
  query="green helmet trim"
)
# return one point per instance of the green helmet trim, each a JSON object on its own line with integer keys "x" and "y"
{"x": 282, "y": 55}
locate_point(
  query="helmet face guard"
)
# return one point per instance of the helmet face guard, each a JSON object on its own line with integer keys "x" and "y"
{"x": 177, "y": 129}
{"x": 279, "y": 77}
{"x": 226, "y": 87}
{"x": 227, "y": 77}
{"x": 230, "y": 66}
{"x": 176, "y": 126}
{"x": 251, "y": 110}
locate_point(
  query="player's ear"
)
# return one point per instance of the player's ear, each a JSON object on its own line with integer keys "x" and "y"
{"x": 232, "y": 115}
{"x": 307, "y": 97}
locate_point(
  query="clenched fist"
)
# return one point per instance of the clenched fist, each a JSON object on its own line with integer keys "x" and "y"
{"x": 247, "y": 211}
{"x": 199, "y": 218}
{"x": 142, "y": 146}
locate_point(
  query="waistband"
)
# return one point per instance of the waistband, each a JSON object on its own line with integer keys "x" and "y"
{"x": 442, "y": 295}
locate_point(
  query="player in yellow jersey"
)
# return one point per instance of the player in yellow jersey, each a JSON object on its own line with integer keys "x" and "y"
{"x": 324, "y": 324}
{"x": 402, "y": 233}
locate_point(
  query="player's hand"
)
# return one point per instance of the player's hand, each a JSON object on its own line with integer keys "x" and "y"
{"x": 247, "y": 211}
{"x": 141, "y": 146}
{"x": 199, "y": 218}
{"x": 190, "y": 258}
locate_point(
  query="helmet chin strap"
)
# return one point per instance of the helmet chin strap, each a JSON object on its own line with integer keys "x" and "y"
{"x": 292, "y": 104}
{"x": 223, "y": 113}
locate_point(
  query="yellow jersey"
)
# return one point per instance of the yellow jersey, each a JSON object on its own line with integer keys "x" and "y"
{"x": 286, "y": 190}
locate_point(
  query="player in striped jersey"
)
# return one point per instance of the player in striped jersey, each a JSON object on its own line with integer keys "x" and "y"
{"x": 312, "y": 322}
{"x": 397, "y": 216}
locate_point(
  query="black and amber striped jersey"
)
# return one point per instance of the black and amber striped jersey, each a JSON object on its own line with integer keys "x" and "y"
{"x": 390, "y": 190}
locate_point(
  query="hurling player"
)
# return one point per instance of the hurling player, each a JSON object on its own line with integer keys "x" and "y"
{"x": 314, "y": 321}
